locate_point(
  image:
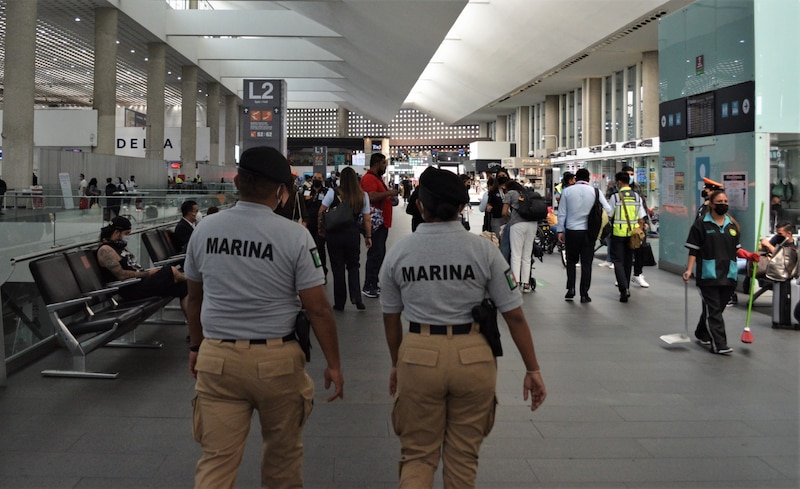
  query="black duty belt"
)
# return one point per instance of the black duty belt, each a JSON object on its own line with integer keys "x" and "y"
{"x": 442, "y": 329}
{"x": 288, "y": 337}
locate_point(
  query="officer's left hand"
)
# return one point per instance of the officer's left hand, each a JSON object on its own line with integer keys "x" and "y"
{"x": 334, "y": 375}
{"x": 534, "y": 385}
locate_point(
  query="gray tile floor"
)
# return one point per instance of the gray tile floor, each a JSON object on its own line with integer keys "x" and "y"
{"x": 624, "y": 410}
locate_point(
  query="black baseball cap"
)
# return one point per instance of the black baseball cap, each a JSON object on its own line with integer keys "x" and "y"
{"x": 266, "y": 162}
{"x": 442, "y": 185}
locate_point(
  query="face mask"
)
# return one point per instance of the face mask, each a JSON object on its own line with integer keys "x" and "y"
{"x": 317, "y": 183}
{"x": 721, "y": 209}
{"x": 283, "y": 197}
{"x": 502, "y": 180}
{"x": 198, "y": 217}
{"x": 776, "y": 207}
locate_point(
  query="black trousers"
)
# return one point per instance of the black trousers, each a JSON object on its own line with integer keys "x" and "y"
{"x": 711, "y": 326}
{"x": 622, "y": 257}
{"x": 344, "y": 249}
{"x": 638, "y": 261}
{"x": 579, "y": 248}
{"x": 375, "y": 255}
{"x": 320, "y": 241}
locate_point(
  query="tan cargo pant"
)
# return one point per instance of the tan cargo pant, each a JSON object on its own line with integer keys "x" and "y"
{"x": 444, "y": 406}
{"x": 233, "y": 379}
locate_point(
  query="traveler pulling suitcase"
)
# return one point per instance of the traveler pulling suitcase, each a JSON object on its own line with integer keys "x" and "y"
{"x": 785, "y": 301}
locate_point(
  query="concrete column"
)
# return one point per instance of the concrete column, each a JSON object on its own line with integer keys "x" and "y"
{"x": 500, "y": 128}
{"x": 551, "y": 123}
{"x": 20, "y": 46}
{"x": 523, "y": 130}
{"x": 593, "y": 111}
{"x": 650, "y": 94}
{"x": 156, "y": 79}
{"x": 212, "y": 120}
{"x": 231, "y": 126}
{"x": 189, "y": 119}
{"x": 105, "y": 78}
{"x": 342, "y": 122}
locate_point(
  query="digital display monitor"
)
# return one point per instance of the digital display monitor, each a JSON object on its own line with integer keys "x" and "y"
{"x": 700, "y": 115}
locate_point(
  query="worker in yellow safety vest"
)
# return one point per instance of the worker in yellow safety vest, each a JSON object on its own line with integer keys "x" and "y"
{"x": 627, "y": 213}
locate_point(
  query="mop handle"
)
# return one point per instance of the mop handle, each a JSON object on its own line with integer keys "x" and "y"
{"x": 755, "y": 269}
{"x": 686, "y": 307}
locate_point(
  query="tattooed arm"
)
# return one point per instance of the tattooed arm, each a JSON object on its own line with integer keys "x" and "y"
{"x": 109, "y": 259}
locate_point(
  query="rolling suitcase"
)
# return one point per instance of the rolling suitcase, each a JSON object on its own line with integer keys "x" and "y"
{"x": 785, "y": 300}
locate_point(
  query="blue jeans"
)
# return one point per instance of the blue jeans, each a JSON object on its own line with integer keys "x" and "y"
{"x": 375, "y": 256}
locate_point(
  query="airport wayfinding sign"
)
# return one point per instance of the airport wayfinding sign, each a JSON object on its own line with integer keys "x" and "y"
{"x": 264, "y": 114}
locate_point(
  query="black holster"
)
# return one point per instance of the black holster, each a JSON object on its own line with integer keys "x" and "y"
{"x": 302, "y": 330}
{"x": 485, "y": 315}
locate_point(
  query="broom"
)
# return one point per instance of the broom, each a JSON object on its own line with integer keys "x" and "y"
{"x": 747, "y": 336}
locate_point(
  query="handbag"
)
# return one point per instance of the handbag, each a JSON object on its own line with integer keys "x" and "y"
{"x": 376, "y": 215}
{"x": 646, "y": 253}
{"x": 337, "y": 217}
{"x": 761, "y": 267}
{"x": 297, "y": 210}
{"x": 782, "y": 266}
{"x": 487, "y": 223}
{"x": 83, "y": 203}
{"x": 637, "y": 233}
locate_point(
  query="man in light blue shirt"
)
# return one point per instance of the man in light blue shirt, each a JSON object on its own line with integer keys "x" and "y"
{"x": 573, "y": 215}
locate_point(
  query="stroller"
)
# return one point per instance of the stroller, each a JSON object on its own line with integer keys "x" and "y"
{"x": 548, "y": 242}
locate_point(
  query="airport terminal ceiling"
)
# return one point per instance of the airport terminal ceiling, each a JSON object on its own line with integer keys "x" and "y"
{"x": 460, "y": 61}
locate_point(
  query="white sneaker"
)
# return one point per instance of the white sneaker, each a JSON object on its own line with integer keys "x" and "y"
{"x": 640, "y": 281}
{"x": 611, "y": 266}
{"x": 604, "y": 264}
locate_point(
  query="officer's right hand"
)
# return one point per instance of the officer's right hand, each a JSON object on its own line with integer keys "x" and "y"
{"x": 534, "y": 385}
{"x": 334, "y": 375}
{"x": 561, "y": 238}
{"x": 393, "y": 381}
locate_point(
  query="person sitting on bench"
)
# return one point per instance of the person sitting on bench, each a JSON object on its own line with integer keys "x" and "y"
{"x": 784, "y": 230}
{"x": 117, "y": 263}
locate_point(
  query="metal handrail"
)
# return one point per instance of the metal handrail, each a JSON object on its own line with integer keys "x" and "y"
{"x": 31, "y": 256}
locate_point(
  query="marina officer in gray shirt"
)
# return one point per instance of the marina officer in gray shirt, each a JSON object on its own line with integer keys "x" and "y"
{"x": 249, "y": 273}
{"x": 443, "y": 372}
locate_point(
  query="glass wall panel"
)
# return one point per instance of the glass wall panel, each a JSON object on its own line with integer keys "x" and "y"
{"x": 608, "y": 118}
{"x": 631, "y": 105}
{"x": 619, "y": 106}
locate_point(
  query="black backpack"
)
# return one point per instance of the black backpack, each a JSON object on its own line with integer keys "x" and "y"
{"x": 595, "y": 218}
{"x": 532, "y": 206}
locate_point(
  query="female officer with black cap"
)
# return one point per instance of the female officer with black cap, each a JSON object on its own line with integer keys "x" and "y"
{"x": 443, "y": 372}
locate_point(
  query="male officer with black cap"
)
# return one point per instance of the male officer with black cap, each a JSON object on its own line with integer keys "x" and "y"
{"x": 443, "y": 371}
{"x": 250, "y": 271}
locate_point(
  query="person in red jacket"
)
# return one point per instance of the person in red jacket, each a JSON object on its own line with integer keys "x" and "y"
{"x": 381, "y": 202}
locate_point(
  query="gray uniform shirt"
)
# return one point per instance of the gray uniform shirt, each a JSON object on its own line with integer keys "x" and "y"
{"x": 251, "y": 262}
{"x": 438, "y": 273}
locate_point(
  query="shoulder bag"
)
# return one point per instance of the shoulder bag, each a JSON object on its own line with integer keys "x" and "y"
{"x": 783, "y": 264}
{"x": 637, "y": 233}
{"x": 595, "y": 219}
{"x": 337, "y": 217}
